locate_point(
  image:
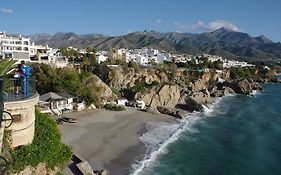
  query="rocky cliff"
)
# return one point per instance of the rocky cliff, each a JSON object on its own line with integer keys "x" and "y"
{"x": 98, "y": 88}
{"x": 174, "y": 91}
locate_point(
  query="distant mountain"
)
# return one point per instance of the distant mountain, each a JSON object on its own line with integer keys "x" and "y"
{"x": 224, "y": 42}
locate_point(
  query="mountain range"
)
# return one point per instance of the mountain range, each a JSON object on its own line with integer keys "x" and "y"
{"x": 223, "y": 42}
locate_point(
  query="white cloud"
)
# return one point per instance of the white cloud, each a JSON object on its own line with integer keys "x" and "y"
{"x": 8, "y": 11}
{"x": 158, "y": 21}
{"x": 212, "y": 25}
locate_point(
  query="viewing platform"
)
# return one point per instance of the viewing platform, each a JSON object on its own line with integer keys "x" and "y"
{"x": 21, "y": 105}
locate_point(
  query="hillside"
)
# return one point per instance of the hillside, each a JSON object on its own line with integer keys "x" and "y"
{"x": 222, "y": 42}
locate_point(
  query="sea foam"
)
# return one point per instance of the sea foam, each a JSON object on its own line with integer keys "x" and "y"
{"x": 157, "y": 139}
{"x": 161, "y": 134}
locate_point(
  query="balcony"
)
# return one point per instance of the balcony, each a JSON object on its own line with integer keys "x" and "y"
{"x": 20, "y": 98}
{"x": 19, "y": 90}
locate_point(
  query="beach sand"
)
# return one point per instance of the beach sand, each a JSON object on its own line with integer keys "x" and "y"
{"x": 109, "y": 139}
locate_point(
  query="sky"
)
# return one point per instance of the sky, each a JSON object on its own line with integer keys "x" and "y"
{"x": 119, "y": 17}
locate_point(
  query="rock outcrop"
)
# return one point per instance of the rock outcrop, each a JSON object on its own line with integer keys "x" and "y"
{"x": 197, "y": 96}
{"x": 167, "y": 95}
{"x": 190, "y": 104}
{"x": 222, "y": 91}
{"x": 119, "y": 78}
{"x": 243, "y": 86}
{"x": 164, "y": 101}
{"x": 98, "y": 88}
{"x": 178, "y": 113}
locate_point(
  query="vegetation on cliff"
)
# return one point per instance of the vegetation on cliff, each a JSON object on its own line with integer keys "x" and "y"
{"x": 45, "y": 148}
{"x": 85, "y": 85}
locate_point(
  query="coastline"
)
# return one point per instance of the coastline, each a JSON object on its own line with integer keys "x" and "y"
{"x": 108, "y": 139}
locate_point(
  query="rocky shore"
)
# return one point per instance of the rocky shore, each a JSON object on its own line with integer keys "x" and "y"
{"x": 181, "y": 91}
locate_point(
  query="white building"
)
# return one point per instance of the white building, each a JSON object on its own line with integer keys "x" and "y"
{"x": 14, "y": 47}
{"x": 101, "y": 58}
{"x": 20, "y": 48}
{"x": 142, "y": 60}
{"x": 161, "y": 58}
{"x": 152, "y": 52}
{"x": 41, "y": 54}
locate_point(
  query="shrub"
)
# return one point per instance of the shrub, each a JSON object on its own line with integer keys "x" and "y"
{"x": 113, "y": 107}
{"x": 45, "y": 148}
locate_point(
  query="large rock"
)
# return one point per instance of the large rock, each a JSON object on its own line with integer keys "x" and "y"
{"x": 198, "y": 86}
{"x": 98, "y": 88}
{"x": 240, "y": 87}
{"x": 219, "y": 92}
{"x": 194, "y": 99}
{"x": 192, "y": 105}
{"x": 254, "y": 85}
{"x": 148, "y": 96}
{"x": 172, "y": 111}
{"x": 168, "y": 95}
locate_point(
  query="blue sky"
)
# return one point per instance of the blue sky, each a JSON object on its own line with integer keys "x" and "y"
{"x": 119, "y": 17}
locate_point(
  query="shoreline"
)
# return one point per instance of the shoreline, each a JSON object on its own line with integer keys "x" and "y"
{"x": 108, "y": 139}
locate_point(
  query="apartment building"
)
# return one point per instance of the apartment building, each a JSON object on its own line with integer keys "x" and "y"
{"x": 20, "y": 48}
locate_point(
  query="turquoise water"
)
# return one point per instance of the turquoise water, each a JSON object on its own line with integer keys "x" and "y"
{"x": 240, "y": 136}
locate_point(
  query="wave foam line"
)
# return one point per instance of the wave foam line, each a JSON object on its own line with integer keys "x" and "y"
{"x": 160, "y": 147}
{"x": 185, "y": 125}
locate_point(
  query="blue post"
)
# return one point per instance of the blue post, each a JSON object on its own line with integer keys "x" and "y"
{"x": 26, "y": 80}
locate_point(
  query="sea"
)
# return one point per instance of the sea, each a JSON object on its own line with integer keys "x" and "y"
{"x": 236, "y": 135}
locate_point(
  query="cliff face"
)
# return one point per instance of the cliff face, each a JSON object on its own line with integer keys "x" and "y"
{"x": 163, "y": 91}
{"x": 178, "y": 88}
{"x": 119, "y": 78}
{"x": 98, "y": 88}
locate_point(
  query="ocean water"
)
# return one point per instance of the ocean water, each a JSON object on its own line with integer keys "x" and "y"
{"x": 237, "y": 135}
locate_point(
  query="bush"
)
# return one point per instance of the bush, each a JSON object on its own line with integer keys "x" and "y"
{"x": 45, "y": 148}
{"x": 113, "y": 107}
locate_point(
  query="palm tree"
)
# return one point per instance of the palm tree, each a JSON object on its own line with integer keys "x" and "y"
{"x": 6, "y": 65}
{"x": 86, "y": 63}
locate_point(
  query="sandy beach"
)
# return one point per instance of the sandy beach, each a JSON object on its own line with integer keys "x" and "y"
{"x": 109, "y": 139}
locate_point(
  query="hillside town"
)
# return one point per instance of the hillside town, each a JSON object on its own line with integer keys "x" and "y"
{"x": 21, "y": 48}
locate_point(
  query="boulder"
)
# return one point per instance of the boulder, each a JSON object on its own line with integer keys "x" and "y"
{"x": 194, "y": 99}
{"x": 153, "y": 110}
{"x": 192, "y": 104}
{"x": 198, "y": 85}
{"x": 240, "y": 87}
{"x": 148, "y": 96}
{"x": 202, "y": 97}
{"x": 178, "y": 113}
{"x": 168, "y": 95}
{"x": 215, "y": 92}
{"x": 98, "y": 88}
